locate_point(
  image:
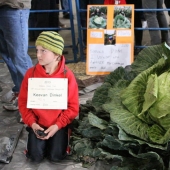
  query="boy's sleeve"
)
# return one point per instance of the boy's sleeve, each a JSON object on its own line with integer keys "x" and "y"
{"x": 67, "y": 116}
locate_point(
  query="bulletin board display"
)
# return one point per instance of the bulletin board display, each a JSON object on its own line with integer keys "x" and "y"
{"x": 110, "y": 38}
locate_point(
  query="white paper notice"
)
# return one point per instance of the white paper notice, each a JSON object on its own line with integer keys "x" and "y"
{"x": 106, "y": 58}
{"x": 47, "y": 93}
{"x": 124, "y": 33}
{"x": 95, "y": 34}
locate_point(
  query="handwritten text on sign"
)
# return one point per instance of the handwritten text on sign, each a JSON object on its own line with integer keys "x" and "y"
{"x": 47, "y": 93}
{"x": 106, "y": 58}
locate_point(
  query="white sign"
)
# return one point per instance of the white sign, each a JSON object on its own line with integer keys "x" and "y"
{"x": 47, "y": 93}
{"x": 106, "y": 58}
{"x": 124, "y": 33}
{"x": 95, "y": 34}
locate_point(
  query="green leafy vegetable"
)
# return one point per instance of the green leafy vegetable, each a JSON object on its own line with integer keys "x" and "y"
{"x": 121, "y": 21}
{"x": 97, "y": 22}
{"x": 128, "y": 118}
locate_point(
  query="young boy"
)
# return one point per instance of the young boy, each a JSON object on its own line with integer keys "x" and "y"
{"x": 53, "y": 122}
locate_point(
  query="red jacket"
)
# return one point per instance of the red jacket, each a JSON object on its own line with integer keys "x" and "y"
{"x": 47, "y": 117}
{"x": 109, "y": 2}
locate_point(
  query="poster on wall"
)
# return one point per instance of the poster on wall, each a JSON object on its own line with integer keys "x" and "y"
{"x": 110, "y": 38}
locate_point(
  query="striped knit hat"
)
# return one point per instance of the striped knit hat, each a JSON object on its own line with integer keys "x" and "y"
{"x": 51, "y": 41}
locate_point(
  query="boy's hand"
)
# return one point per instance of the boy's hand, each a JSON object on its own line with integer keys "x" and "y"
{"x": 51, "y": 131}
{"x": 35, "y": 128}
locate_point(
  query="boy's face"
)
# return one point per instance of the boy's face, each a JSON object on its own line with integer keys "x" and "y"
{"x": 45, "y": 57}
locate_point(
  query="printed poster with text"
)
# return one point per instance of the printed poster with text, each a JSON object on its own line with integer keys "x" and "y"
{"x": 110, "y": 38}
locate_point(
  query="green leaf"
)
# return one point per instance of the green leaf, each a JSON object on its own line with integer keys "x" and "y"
{"x": 97, "y": 122}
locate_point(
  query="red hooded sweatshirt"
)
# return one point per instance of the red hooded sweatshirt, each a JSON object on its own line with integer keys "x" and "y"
{"x": 47, "y": 117}
{"x": 109, "y": 2}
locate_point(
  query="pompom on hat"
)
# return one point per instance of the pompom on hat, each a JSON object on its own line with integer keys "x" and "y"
{"x": 52, "y": 41}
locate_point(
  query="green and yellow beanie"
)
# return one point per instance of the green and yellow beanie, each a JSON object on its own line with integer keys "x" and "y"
{"x": 51, "y": 41}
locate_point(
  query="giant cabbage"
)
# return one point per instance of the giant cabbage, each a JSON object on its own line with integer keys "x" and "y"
{"x": 97, "y": 22}
{"x": 121, "y": 21}
{"x": 128, "y": 118}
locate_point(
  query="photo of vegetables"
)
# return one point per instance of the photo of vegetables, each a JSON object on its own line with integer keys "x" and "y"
{"x": 122, "y": 17}
{"x": 109, "y": 37}
{"x": 97, "y": 17}
{"x": 127, "y": 122}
